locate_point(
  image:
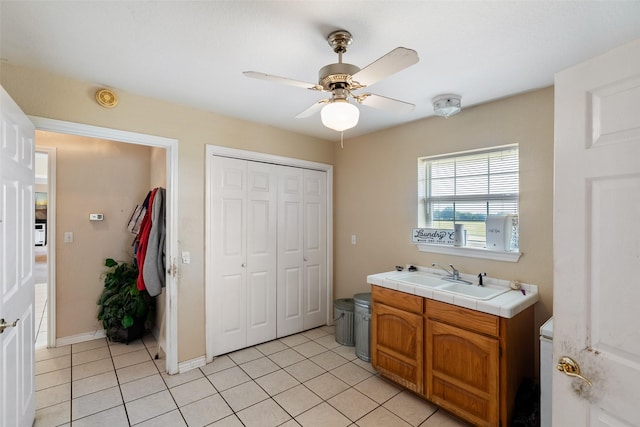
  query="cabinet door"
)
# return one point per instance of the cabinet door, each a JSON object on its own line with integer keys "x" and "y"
{"x": 397, "y": 345}
{"x": 462, "y": 372}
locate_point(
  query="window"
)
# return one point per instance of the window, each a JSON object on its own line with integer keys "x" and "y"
{"x": 464, "y": 188}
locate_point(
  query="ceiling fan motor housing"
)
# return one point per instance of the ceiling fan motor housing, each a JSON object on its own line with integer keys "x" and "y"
{"x": 337, "y": 76}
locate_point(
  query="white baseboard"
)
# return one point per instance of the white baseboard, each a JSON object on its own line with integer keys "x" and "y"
{"x": 75, "y": 339}
{"x": 188, "y": 365}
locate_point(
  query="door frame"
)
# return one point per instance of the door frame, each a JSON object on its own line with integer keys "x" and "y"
{"x": 50, "y": 237}
{"x": 171, "y": 146}
{"x": 216, "y": 150}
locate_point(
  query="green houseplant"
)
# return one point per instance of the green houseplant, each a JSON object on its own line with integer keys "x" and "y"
{"x": 125, "y": 311}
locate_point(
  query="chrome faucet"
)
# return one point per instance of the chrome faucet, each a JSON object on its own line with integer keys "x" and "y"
{"x": 454, "y": 274}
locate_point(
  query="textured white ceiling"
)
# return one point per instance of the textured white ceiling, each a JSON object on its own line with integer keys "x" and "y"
{"x": 194, "y": 53}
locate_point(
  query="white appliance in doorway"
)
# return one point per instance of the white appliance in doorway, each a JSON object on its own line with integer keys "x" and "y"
{"x": 40, "y": 234}
{"x": 546, "y": 370}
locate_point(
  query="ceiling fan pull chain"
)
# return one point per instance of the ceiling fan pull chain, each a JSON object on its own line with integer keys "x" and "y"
{"x": 342, "y": 140}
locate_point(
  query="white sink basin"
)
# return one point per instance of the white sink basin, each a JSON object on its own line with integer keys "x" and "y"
{"x": 420, "y": 279}
{"x": 473, "y": 291}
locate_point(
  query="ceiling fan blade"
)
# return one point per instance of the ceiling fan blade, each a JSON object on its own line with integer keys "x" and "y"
{"x": 282, "y": 80}
{"x": 396, "y": 60}
{"x": 384, "y": 103}
{"x": 313, "y": 109}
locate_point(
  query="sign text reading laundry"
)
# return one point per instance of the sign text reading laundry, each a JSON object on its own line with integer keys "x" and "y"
{"x": 433, "y": 235}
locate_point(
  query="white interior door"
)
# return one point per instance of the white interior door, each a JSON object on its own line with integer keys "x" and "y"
{"x": 290, "y": 251}
{"x": 597, "y": 240}
{"x": 17, "y": 211}
{"x": 261, "y": 252}
{"x": 315, "y": 249}
{"x": 227, "y": 314}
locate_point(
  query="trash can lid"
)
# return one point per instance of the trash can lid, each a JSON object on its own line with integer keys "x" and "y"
{"x": 363, "y": 298}
{"x": 344, "y": 304}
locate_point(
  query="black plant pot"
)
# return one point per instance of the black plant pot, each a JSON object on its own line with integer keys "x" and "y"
{"x": 132, "y": 333}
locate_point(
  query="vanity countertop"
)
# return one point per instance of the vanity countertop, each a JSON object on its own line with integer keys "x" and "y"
{"x": 507, "y": 304}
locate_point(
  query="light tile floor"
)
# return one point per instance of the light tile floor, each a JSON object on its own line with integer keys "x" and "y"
{"x": 40, "y": 309}
{"x": 307, "y": 379}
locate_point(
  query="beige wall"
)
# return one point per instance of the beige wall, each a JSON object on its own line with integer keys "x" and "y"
{"x": 47, "y": 95}
{"x": 92, "y": 176}
{"x": 376, "y": 193}
{"x": 375, "y": 183}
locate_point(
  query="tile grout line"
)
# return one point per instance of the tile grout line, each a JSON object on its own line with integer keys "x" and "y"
{"x": 115, "y": 372}
{"x": 142, "y": 397}
{"x": 167, "y": 386}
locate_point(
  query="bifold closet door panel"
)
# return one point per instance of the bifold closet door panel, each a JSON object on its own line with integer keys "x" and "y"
{"x": 228, "y": 317}
{"x": 290, "y": 251}
{"x": 315, "y": 249}
{"x": 261, "y": 252}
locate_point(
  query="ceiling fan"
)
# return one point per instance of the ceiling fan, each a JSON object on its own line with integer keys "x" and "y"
{"x": 344, "y": 80}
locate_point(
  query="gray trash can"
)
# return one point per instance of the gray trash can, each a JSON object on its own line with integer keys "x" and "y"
{"x": 362, "y": 329}
{"x": 343, "y": 316}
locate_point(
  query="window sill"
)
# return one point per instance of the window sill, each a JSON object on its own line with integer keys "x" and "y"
{"x": 470, "y": 252}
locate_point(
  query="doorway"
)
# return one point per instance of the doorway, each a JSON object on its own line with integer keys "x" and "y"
{"x": 168, "y": 340}
{"x": 44, "y": 213}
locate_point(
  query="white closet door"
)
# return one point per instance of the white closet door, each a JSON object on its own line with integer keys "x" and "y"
{"x": 261, "y": 252}
{"x": 228, "y": 279}
{"x": 315, "y": 249}
{"x": 290, "y": 251}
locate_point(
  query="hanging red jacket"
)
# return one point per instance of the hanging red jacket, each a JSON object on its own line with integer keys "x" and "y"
{"x": 143, "y": 240}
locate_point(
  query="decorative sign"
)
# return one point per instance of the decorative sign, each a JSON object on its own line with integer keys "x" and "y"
{"x": 434, "y": 236}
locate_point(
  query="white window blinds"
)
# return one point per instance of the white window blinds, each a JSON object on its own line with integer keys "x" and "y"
{"x": 464, "y": 188}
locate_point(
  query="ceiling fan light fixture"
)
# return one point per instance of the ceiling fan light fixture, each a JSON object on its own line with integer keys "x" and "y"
{"x": 447, "y": 105}
{"x": 340, "y": 115}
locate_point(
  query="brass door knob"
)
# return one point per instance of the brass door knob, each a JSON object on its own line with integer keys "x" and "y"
{"x": 571, "y": 368}
{"x": 4, "y": 325}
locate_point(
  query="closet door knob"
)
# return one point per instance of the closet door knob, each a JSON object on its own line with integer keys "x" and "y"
{"x": 306, "y": 259}
{"x": 244, "y": 264}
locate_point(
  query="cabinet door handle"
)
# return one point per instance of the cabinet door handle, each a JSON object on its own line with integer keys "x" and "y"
{"x": 244, "y": 264}
{"x": 306, "y": 259}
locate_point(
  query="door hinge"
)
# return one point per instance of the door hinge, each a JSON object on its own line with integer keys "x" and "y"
{"x": 173, "y": 269}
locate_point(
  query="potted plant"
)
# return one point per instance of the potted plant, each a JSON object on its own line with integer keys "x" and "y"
{"x": 125, "y": 311}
